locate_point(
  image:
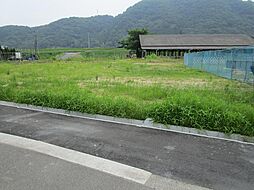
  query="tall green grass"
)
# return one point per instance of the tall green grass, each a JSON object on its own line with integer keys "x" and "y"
{"x": 94, "y": 53}
{"x": 91, "y": 53}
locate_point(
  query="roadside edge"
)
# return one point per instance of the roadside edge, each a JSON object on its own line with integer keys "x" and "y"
{"x": 138, "y": 123}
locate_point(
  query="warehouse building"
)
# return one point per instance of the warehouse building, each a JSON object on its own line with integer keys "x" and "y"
{"x": 177, "y": 45}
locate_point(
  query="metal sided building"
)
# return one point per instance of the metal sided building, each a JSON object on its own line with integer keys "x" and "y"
{"x": 177, "y": 45}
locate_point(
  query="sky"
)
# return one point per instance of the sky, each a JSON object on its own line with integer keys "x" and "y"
{"x": 40, "y": 12}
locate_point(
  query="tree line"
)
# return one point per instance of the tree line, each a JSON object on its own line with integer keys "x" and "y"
{"x": 6, "y": 53}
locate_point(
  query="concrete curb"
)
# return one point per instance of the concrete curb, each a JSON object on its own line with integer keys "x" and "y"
{"x": 139, "y": 123}
{"x": 99, "y": 164}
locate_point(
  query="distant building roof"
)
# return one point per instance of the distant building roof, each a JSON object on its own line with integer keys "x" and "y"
{"x": 194, "y": 41}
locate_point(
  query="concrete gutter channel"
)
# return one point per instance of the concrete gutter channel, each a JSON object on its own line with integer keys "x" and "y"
{"x": 141, "y": 176}
{"x": 138, "y": 123}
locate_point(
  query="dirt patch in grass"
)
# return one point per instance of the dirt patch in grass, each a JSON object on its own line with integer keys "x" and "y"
{"x": 148, "y": 82}
{"x": 171, "y": 64}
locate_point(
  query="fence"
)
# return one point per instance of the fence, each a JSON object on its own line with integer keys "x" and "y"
{"x": 235, "y": 64}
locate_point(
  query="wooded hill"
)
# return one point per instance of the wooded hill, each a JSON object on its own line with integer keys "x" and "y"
{"x": 158, "y": 16}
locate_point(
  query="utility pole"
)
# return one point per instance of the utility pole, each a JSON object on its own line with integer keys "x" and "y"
{"x": 88, "y": 40}
{"x": 35, "y": 45}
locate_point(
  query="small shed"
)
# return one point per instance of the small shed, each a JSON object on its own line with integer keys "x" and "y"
{"x": 177, "y": 45}
{"x": 18, "y": 56}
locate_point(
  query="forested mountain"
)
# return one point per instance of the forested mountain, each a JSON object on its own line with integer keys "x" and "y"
{"x": 158, "y": 16}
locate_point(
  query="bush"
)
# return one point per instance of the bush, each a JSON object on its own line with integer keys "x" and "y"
{"x": 151, "y": 57}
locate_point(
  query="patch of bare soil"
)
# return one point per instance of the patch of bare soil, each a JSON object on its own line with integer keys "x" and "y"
{"x": 149, "y": 81}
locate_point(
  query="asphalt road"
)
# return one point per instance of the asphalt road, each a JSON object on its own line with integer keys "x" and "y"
{"x": 21, "y": 169}
{"x": 200, "y": 161}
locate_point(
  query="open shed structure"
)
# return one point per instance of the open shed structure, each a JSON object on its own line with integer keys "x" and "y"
{"x": 177, "y": 45}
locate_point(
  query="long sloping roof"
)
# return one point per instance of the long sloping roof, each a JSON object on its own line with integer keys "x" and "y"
{"x": 195, "y": 41}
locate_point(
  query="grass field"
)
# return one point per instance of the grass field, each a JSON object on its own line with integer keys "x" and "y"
{"x": 112, "y": 53}
{"x": 161, "y": 89}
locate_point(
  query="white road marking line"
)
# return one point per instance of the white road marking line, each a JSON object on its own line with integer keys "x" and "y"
{"x": 100, "y": 164}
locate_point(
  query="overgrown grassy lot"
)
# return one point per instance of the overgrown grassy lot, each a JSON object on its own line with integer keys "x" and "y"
{"x": 161, "y": 89}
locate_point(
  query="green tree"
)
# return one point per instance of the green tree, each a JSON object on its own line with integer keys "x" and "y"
{"x": 132, "y": 42}
{"x": 1, "y": 52}
{"x": 6, "y": 53}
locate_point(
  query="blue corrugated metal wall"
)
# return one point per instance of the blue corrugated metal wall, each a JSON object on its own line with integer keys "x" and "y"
{"x": 235, "y": 64}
